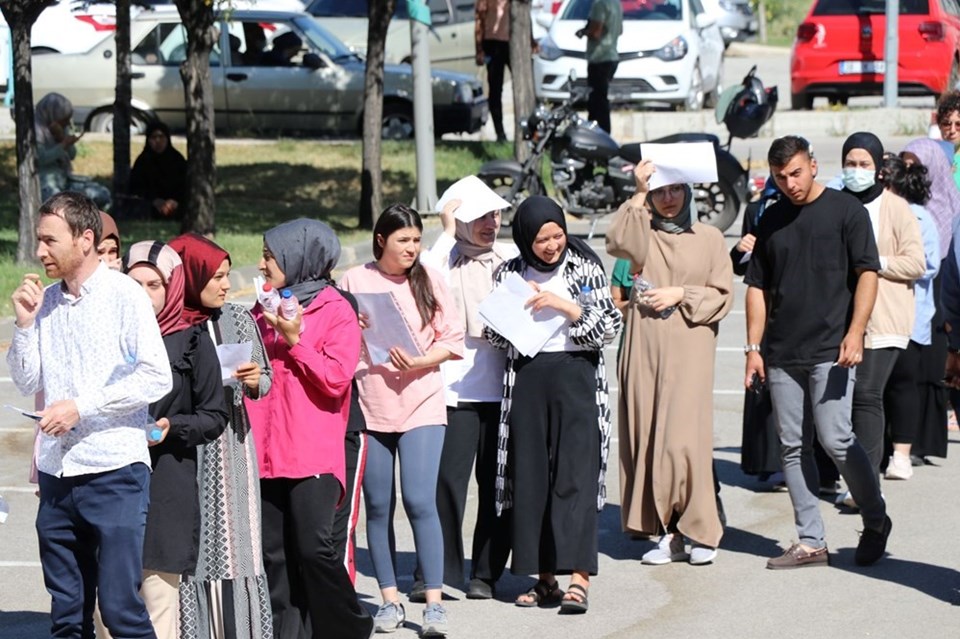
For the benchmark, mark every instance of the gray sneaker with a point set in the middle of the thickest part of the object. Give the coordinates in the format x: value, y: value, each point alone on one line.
x: 434, y: 621
x: 389, y: 617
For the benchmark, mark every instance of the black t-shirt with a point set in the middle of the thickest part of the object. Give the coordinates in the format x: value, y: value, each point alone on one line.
x: 806, y: 259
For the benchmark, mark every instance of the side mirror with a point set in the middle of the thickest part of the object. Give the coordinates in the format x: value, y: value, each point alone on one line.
x: 702, y: 21
x: 313, y: 61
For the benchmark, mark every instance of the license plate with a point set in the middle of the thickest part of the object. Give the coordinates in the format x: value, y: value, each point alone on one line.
x: 852, y: 67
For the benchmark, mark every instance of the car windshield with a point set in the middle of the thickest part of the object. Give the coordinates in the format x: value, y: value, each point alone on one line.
x: 323, y: 39
x: 862, y: 7
x: 632, y: 10
x: 350, y: 9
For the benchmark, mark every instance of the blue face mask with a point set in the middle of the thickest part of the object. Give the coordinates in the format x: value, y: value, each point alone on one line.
x: 859, y: 180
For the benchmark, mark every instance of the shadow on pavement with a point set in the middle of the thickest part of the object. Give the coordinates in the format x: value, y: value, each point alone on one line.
x: 939, y: 582
x: 20, y: 623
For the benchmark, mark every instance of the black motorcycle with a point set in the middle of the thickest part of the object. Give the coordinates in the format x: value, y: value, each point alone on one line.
x: 592, y: 175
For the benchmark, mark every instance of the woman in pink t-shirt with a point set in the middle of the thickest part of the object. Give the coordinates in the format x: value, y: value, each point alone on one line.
x: 402, y: 396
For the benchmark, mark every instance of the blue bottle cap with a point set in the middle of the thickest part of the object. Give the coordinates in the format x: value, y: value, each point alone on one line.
x: 287, y: 293
x: 155, y: 434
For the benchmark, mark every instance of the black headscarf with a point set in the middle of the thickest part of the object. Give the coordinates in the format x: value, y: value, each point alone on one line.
x: 159, y: 175
x: 532, y: 214
x: 306, y: 251
x: 872, y: 145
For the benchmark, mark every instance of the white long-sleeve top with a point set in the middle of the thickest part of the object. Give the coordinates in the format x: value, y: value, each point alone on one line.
x: 103, y: 350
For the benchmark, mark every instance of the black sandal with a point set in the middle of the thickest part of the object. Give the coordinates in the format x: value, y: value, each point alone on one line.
x: 542, y: 595
x: 574, y: 606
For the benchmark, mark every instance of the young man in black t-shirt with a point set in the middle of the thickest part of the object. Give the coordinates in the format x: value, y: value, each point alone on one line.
x: 812, y: 285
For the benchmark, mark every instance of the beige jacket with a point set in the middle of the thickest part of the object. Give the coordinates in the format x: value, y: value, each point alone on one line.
x: 901, y: 254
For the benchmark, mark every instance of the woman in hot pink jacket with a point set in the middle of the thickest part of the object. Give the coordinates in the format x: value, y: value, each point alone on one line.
x: 299, y: 429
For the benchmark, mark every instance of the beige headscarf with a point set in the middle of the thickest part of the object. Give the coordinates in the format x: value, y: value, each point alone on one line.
x: 471, y: 275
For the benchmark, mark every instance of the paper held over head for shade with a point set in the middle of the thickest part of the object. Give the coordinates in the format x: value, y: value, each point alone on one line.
x: 476, y: 199
x: 681, y: 163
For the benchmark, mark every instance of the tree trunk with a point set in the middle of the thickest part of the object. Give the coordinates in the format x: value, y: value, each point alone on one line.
x: 371, y: 177
x: 521, y: 70
x: 20, y: 16
x: 198, y: 18
x: 121, y: 106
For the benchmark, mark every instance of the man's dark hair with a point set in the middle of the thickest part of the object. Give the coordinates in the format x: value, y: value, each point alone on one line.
x: 78, y: 211
x: 783, y: 149
x: 948, y: 103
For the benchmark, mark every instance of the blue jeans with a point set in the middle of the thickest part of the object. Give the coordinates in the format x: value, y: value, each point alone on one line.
x: 90, y: 529
x: 824, y: 391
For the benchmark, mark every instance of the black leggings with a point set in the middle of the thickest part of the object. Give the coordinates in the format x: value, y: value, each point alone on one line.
x: 869, y: 422
x: 901, y: 399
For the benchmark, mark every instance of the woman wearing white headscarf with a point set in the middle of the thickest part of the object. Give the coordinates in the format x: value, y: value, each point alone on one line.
x: 467, y: 254
x: 56, y: 149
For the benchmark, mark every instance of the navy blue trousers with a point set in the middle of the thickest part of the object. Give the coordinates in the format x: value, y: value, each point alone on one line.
x: 90, y: 529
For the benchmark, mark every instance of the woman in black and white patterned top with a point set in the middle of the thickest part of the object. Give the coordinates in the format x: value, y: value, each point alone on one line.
x: 555, y: 413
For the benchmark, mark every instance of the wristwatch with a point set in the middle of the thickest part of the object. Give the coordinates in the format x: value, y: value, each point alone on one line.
x: 751, y: 348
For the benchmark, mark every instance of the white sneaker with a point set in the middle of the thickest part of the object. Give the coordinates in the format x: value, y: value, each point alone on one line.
x: 669, y: 549
x: 899, y: 467
x: 701, y: 555
x: 846, y: 499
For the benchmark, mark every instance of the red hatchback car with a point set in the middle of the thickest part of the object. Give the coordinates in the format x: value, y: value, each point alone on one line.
x: 838, y: 51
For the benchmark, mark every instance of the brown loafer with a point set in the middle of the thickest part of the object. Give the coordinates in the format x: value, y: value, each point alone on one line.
x: 797, y: 557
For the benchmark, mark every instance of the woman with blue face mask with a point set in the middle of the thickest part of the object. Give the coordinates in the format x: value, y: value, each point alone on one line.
x: 897, y: 234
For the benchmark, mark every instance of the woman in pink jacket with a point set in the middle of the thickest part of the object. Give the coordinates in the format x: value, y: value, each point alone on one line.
x: 299, y: 429
x: 403, y: 400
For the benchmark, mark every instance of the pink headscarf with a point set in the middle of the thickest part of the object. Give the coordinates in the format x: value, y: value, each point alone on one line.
x: 944, y: 204
x: 166, y: 261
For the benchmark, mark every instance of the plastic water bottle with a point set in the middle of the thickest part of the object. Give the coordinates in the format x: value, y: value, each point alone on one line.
x: 270, y: 299
x: 586, y: 296
x: 288, y: 304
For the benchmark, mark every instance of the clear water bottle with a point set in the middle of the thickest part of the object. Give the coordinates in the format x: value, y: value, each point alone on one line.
x: 586, y: 296
x: 269, y: 299
x: 288, y: 304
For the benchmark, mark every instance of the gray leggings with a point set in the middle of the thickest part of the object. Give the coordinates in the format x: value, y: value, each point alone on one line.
x: 419, y: 451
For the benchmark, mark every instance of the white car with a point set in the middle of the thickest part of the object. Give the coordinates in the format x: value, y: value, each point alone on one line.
x: 671, y: 52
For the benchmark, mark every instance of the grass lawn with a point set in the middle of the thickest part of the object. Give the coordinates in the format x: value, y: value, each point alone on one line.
x: 259, y: 185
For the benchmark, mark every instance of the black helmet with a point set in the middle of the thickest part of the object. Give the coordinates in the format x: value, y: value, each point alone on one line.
x: 746, y: 107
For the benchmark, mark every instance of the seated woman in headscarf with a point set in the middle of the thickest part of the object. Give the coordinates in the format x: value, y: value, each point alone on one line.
x: 159, y: 174
x: 56, y: 148
x: 683, y: 287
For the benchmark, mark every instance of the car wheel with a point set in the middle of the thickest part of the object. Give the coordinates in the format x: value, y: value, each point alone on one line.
x: 397, y: 121
x: 695, y: 97
x: 102, y: 122
x: 838, y: 100
x: 801, y: 101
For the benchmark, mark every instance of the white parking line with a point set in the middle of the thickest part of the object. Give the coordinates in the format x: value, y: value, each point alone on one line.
x: 20, y: 564
x: 18, y: 489
x: 17, y: 429
x: 6, y: 379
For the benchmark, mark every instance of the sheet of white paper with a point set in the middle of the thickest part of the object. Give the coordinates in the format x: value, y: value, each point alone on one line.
x: 681, y: 163
x: 231, y: 356
x: 505, y: 312
x: 476, y: 199
x: 387, y: 327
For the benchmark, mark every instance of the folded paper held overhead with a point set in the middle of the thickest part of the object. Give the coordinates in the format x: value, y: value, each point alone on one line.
x: 681, y: 163
x: 476, y: 199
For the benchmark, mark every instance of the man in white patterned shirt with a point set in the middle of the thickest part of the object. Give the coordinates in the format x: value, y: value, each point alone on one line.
x: 92, y: 345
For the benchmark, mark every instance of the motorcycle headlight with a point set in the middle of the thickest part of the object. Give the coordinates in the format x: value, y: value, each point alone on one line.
x: 673, y: 50
x: 549, y: 49
x: 462, y: 93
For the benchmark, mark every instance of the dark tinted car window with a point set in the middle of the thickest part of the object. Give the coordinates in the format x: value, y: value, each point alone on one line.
x: 858, y: 7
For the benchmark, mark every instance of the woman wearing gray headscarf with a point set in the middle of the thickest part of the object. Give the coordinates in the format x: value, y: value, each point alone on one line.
x: 299, y: 433
x: 56, y: 148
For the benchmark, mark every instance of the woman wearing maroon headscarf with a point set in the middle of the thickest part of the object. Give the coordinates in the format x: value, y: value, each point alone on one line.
x: 227, y: 596
x: 191, y: 414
